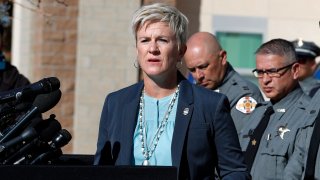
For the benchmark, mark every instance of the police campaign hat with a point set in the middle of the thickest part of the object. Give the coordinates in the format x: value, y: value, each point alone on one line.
x: 306, y: 49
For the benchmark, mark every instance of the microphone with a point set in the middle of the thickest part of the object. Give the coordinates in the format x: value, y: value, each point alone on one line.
x: 41, y: 104
x: 15, y: 108
x: 46, y: 102
x: 48, y: 128
x: 28, y: 93
x: 43, y: 101
x: 44, y: 158
x: 45, y: 130
x: 26, y: 136
x: 61, y: 139
x: 8, y: 114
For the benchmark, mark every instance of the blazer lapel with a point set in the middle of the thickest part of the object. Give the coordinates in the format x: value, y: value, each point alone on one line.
x: 183, y: 116
x: 130, y: 111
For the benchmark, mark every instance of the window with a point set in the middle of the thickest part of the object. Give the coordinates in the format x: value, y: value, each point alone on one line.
x: 240, y: 48
x: 240, y: 36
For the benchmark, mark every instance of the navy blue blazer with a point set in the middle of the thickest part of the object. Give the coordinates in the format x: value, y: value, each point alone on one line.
x: 203, y: 140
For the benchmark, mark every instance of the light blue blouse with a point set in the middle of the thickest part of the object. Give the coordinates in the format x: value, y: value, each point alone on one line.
x: 155, y: 110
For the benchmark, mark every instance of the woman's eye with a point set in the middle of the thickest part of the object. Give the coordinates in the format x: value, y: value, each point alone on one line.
x: 163, y: 40
x: 143, y: 40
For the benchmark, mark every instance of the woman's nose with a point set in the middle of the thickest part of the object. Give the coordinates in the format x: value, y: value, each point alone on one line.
x: 153, y: 47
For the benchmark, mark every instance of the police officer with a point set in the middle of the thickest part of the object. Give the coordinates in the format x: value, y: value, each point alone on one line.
x: 305, y: 161
x: 269, y: 142
x: 307, y: 52
x: 208, y: 64
x: 312, y: 141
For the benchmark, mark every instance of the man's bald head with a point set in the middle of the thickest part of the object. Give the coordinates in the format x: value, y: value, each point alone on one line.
x: 203, y: 41
x: 205, y: 59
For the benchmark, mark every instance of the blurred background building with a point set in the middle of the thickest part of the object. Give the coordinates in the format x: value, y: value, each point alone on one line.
x: 88, y: 45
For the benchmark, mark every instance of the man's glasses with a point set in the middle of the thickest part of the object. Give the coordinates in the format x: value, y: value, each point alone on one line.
x: 274, y: 72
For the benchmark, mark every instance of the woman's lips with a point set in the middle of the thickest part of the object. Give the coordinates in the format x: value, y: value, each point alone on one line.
x: 153, y: 60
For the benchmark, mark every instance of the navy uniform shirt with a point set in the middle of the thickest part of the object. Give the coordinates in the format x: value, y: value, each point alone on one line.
x: 278, y: 140
x: 242, y: 94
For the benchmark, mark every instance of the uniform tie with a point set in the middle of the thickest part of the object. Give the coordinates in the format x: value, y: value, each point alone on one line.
x: 313, y: 150
x: 255, y: 138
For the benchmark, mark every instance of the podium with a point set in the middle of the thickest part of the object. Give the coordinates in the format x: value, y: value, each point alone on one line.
x: 81, y: 168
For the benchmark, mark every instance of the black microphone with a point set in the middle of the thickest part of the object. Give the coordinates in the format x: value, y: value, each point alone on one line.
x: 41, y: 104
x: 61, y: 139
x: 46, y: 129
x: 14, y: 108
x: 8, y: 114
x: 47, y: 101
x: 29, y: 92
x: 44, y: 158
x: 43, y: 101
x: 25, y: 137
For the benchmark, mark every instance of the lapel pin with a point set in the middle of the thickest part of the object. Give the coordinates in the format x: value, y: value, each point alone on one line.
x: 185, y: 111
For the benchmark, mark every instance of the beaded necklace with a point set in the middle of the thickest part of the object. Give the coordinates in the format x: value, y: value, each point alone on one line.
x: 148, y: 152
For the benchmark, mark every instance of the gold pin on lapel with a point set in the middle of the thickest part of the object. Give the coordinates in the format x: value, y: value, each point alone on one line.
x: 185, y: 111
x: 253, y: 142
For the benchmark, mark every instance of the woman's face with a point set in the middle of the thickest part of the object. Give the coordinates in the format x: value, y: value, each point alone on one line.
x: 157, y: 49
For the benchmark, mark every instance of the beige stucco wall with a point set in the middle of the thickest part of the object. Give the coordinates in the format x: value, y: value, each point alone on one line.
x: 289, y: 19
x: 22, y: 39
x: 105, y: 57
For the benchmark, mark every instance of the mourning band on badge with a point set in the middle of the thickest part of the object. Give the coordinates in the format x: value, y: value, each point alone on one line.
x: 246, y: 105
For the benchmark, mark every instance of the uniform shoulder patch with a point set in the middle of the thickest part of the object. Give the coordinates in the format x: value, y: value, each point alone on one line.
x: 246, y: 104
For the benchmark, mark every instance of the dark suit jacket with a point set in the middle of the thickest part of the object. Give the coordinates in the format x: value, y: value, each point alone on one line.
x: 203, y: 139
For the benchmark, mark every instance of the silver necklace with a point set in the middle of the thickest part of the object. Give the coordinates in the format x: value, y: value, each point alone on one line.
x: 148, y: 152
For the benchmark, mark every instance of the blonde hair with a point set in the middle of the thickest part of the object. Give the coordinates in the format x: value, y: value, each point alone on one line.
x: 160, y: 12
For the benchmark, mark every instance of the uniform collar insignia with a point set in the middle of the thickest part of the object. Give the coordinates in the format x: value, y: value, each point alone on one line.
x: 281, y: 110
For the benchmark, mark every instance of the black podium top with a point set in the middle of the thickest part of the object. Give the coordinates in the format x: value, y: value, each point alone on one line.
x: 79, y: 167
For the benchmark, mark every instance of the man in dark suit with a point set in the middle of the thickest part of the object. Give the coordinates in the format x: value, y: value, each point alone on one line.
x: 164, y: 120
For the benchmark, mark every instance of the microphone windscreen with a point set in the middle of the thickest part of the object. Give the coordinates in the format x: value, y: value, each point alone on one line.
x: 47, y: 129
x: 45, y: 102
x: 50, y: 84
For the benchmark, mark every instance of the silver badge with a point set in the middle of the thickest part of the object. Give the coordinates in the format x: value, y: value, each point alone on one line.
x: 282, y: 130
x: 185, y: 111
